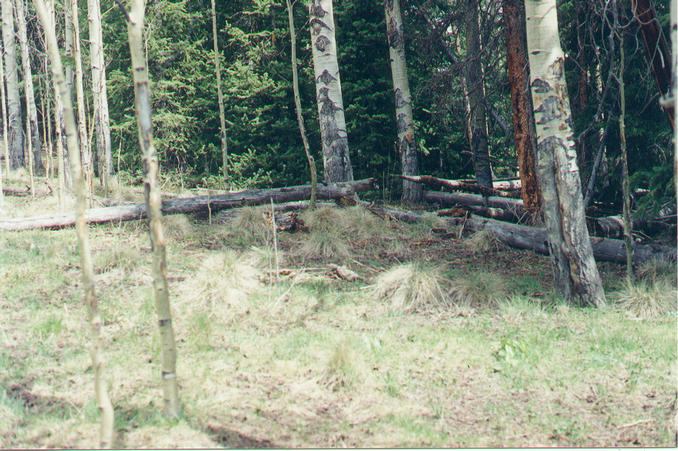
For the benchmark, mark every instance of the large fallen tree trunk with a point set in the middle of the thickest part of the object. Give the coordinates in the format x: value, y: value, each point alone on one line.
x: 200, y: 204
x: 451, y: 199
x: 604, y: 249
x: 533, y: 238
x: 456, y: 185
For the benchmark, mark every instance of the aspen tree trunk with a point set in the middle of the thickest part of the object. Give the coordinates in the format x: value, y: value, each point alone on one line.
x: 674, y: 95
x: 80, y: 100
x: 407, y: 147
x: 28, y: 92
x: 575, y: 273
x: 142, y: 94
x: 473, y: 73
x: 336, y: 158
x: 96, y: 323
x: 626, y: 190
x: 297, y: 106
x: 657, y: 48
x: 46, y: 132
x: 100, y: 94
x: 33, y: 141
x: 5, y: 125
x: 521, y: 102
x: 15, y: 120
x: 220, y: 96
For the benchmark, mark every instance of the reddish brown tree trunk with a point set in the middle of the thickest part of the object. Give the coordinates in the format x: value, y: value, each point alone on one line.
x: 521, y: 102
x: 657, y: 48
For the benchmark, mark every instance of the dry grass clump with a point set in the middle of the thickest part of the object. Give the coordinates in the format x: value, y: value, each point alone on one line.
x: 125, y: 258
x: 326, y: 238
x: 252, y: 225
x: 177, y: 227
x: 484, y: 241
x: 339, y: 371
x: 656, y: 269
x: 222, y: 284
x: 645, y: 300
x: 478, y: 289
x: 411, y: 287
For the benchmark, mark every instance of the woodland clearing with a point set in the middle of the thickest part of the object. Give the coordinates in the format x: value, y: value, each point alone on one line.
x: 440, y: 341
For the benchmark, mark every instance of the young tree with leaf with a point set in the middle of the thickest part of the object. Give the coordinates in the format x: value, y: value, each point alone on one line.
x: 297, y: 105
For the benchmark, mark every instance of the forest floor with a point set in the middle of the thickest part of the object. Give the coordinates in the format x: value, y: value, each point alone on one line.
x: 441, y: 342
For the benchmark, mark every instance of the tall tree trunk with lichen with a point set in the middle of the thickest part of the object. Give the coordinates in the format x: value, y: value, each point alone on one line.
x: 336, y: 158
x: 220, y: 96
x: 96, y: 323
x: 575, y: 272
x: 15, y: 120
x: 473, y: 74
x: 297, y: 105
x: 99, y: 94
x: 521, y: 102
x: 34, y: 145
x: 142, y: 104
x: 407, y: 147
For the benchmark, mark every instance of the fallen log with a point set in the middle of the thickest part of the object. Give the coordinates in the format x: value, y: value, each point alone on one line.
x: 203, y: 205
x: 534, y: 238
x: 22, y: 192
x: 451, y: 199
x: 457, y: 185
x: 604, y: 249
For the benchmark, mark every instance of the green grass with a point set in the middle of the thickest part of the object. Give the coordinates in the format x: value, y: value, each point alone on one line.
x: 315, y: 361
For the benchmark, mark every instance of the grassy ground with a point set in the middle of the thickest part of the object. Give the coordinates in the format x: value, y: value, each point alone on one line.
x: 441, y: 342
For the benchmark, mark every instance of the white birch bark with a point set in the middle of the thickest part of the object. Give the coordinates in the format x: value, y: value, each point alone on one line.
x: 15, y: 120
x: 407, y: 147
x: 336, y: 159
x: 99, y: 93
x: 575, y: 272
x: 96, y: 323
